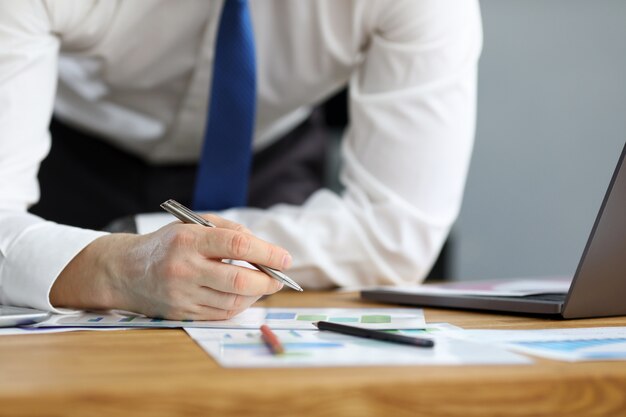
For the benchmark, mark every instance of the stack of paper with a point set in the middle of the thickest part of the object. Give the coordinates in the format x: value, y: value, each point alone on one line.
x: 237, y: 342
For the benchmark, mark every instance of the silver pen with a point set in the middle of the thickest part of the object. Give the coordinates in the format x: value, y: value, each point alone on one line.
x: 185, y: 215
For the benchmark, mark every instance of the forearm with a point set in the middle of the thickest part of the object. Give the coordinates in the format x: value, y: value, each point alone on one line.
x: 339, y: 241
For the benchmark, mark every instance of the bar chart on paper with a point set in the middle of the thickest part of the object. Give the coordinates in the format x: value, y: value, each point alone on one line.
x: 573, y: 344
x: 574, y: 350
x: 277, y: 318
x: 371, y: 318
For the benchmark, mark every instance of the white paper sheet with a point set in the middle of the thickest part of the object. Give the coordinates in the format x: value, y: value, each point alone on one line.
x: 578, y: 344
x: 309, y: 348
x: 501, y: 288
x: 253, y: 318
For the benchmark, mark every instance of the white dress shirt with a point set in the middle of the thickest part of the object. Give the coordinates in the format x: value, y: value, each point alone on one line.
x: 137, y: 74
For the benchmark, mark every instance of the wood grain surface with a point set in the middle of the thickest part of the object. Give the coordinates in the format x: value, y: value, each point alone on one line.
x: 163, y: 373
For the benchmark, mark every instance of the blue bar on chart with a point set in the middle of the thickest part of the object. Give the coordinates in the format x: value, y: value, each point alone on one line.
x: 280, y: 316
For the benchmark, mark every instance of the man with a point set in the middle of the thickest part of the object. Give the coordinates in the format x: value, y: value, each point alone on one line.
x: 139, y: 77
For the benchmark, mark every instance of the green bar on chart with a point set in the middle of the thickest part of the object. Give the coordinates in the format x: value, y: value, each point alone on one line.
x: 344, y: 319
x: 311, y: 317
x: 376, y: 319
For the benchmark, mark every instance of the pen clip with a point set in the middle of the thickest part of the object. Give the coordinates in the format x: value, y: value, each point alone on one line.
x: 183, y: 213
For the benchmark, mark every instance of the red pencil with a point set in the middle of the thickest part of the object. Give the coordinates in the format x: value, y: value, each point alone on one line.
x: 271, y: 340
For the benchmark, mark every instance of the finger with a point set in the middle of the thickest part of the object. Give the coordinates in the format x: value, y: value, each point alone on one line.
x: 226, y: 224
x: 237, y: 280
x: 210, y: 297
x: 228, y: 244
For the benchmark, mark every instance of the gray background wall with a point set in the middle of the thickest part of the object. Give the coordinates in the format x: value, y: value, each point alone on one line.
x: 551, y: 124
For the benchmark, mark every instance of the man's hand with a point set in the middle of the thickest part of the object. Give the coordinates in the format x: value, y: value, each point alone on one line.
x: 175, y: 273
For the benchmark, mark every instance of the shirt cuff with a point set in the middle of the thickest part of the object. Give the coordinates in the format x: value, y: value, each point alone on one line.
x: 36, y: 258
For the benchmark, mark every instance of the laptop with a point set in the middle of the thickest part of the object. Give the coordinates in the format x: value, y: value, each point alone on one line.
x: 598, y: 288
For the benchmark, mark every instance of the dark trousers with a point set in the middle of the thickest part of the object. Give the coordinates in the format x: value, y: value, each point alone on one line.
x: 87, y: 182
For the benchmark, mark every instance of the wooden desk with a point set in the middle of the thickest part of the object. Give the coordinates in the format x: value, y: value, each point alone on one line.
x: 164, y: 373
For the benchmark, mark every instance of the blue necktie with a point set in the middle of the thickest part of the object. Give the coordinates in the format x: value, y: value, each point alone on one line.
x: 224, y: 167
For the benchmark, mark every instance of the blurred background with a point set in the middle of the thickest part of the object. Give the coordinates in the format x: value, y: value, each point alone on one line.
x: 551, y: 125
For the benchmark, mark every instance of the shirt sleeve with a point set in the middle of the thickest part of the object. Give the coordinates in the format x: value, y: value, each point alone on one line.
x: 32, y: 251
x: 405, y: 154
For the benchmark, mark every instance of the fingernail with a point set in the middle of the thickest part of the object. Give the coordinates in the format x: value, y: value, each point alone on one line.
x: 286, y: 261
